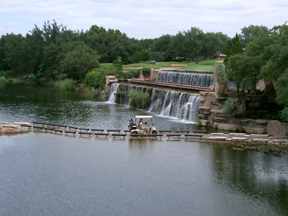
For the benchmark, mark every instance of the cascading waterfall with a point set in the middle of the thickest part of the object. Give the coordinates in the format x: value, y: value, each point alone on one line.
x: 173, y: 104
x: 166, y: 103
x: 112, y: 93
x: 186, y: 78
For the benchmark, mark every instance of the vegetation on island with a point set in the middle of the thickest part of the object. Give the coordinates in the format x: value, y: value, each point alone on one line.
x: 139, y: 99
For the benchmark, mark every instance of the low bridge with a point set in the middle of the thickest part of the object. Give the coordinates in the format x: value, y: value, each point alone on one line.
x: 172, y: 86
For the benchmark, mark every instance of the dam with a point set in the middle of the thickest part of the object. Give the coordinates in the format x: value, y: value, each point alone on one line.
x: 172, y: 94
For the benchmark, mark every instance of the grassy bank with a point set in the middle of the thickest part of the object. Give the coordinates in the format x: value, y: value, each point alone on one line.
x: 207, y: 65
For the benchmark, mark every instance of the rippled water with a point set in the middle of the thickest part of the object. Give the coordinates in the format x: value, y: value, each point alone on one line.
x: 43, y: 174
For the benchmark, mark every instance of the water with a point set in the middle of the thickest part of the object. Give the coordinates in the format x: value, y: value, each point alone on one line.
x: 178, y: 106
x: 186, y: 78
x: 112, y: 94
x: 173, y: 104
x: 45, y: 174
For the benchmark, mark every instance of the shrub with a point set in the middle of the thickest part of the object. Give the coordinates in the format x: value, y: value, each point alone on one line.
x: 139, y: 99
x: 95, y: 79
x: 65, y: 85
x: 133, y: 74
x: 3, y: 82
x: 284, y: 114
x: 282, y: 89
x: 146, y: 72
x: 229, y: 106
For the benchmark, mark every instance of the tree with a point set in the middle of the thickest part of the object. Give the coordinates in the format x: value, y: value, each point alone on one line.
x: 244, y: 70
x: 77, y: 60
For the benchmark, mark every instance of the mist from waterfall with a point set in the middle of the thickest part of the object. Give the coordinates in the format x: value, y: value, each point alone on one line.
x: 186, y: 78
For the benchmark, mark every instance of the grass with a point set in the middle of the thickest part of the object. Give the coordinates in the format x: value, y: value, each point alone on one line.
x: 207, y: 65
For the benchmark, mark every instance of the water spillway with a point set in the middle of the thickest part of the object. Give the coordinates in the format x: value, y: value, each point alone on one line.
x: 112, y: 93
x: 174, y: 104
x: 165, y: 103
x: 186, y: 78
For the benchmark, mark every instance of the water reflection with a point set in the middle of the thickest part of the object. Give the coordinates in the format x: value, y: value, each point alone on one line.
x: 256, y: 174
x: 141, y: 145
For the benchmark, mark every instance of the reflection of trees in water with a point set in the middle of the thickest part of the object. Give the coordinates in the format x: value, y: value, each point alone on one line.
x: 256, y: 174
x: 141, y: 145
x: 44, y: 104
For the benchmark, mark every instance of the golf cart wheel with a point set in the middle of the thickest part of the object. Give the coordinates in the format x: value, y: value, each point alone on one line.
x: 154, y: 132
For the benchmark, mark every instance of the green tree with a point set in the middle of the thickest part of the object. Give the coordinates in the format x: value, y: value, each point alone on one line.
x: 78, y: 60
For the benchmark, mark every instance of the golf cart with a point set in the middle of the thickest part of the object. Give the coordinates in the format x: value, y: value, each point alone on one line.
x: 142, y: 125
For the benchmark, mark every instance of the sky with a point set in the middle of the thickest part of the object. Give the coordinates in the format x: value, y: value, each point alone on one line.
x: 143, y: 18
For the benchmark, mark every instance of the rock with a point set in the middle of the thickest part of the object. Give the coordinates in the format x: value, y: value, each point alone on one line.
x: 254, y: 129
x: 203, y: 122
x: 10, y: 129
x: 277, y: 129
x: 239, y: 139
x: 227, y: 126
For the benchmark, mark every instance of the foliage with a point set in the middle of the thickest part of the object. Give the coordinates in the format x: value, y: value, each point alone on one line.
x: 244, y: 70
x: 282, y: 89
x: 146, y: 72
x: 96, y: 77
x: 230, y: 106
x: 53, y: 52
x: 77, y: 60
x: 118, y: 66
x: 3, y: 82
x: 284, y: 114
x: 65, y: 85
x: 265, y: 56
x: 139, y: 99
x: 234, y: 46
x: 133, y: 73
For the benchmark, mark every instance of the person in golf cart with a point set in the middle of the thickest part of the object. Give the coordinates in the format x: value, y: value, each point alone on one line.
x: 142, y: 125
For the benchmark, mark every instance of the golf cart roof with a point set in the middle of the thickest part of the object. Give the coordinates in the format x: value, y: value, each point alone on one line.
x: 143, y: 117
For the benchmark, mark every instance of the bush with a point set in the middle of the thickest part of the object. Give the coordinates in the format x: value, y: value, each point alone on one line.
x: 139, y: 99
x: 282, y: 89
x: 133, y: 74
x: 230, y: 106
x: 3, y: 82
x: 65, y: 85
x: 284, y: 114
x: 95, y: 79
x: 146, y: 72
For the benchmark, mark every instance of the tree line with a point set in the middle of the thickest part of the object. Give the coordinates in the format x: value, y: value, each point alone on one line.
x: 54, y: 52
x: 260, y: 53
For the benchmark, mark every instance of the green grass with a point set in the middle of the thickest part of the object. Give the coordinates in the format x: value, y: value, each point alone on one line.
x: 207, y: 65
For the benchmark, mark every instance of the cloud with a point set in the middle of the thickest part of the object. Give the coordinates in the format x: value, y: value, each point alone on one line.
x: 149, y: 18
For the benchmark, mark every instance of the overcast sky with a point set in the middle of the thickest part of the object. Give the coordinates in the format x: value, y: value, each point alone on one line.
x: 143, y: 18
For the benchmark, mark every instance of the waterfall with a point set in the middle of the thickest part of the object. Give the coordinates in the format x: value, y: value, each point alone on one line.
x: 112, y: 93
x: 176, y: 105
x: 165, y: 103
x: 186, y: 78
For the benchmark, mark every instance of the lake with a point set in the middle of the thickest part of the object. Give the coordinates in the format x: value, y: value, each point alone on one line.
x: 45, y: 174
